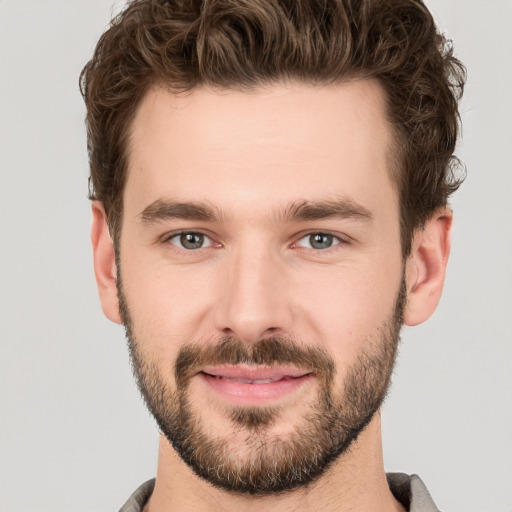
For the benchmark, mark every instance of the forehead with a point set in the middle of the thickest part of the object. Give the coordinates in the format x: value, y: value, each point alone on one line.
x: 276, y: 144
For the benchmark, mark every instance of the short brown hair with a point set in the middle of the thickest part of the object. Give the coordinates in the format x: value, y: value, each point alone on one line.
x: 241, y: 44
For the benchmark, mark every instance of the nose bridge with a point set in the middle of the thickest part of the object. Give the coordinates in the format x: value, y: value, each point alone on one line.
x: 253, y: 301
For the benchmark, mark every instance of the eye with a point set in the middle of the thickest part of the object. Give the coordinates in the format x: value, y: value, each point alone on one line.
x: 318, y: 241
x: 190, y: 240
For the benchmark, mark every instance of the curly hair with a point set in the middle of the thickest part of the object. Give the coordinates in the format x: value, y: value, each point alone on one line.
x: 242, y: 44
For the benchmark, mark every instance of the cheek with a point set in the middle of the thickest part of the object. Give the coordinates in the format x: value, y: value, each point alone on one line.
x: 344, y: 308
x: 167, y: 304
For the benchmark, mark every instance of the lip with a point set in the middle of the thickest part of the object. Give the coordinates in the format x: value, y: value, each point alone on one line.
x: 246, y: 385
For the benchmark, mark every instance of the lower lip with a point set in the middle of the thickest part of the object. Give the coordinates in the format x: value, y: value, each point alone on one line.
x: 254, y: 393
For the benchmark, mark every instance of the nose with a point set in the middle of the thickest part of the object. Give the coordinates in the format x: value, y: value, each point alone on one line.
x: 255, y: 300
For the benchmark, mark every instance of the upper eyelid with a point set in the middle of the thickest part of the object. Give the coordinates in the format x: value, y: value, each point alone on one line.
x: 339, y: 236
x: 166, y: 240
x: 167, y: 236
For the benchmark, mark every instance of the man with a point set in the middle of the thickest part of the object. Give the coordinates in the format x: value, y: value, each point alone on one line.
x: 270, y: 182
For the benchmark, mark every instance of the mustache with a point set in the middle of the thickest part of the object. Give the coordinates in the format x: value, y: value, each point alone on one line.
x: 270, y: 351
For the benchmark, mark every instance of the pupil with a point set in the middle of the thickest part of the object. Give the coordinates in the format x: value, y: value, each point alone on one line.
x: 321, y: 241
x: 191, y: 240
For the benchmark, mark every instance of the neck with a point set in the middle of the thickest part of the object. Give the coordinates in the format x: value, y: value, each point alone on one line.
x: 356, y: 482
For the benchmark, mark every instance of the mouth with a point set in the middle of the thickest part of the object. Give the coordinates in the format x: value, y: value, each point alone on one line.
x: 250, y: 385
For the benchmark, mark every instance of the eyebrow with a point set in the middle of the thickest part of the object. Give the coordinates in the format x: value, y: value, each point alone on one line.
x: 161, y: 210
x: 340, y: 209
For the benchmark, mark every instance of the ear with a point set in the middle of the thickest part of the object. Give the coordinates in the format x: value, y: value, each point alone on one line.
x: 104, y: 263
x: 426, y: 267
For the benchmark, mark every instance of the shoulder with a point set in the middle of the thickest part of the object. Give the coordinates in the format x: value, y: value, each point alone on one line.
x: 411, y: 492
x: 139, y: 498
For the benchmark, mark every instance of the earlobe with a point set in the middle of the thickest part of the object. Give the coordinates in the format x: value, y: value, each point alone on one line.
x: 105, y: 268
x: 426, y: 267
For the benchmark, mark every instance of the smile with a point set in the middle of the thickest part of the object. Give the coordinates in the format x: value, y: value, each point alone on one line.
x: 245, y: 385
x: 253, y: 381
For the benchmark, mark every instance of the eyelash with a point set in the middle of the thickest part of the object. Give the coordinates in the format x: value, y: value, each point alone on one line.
x: 188, y: 232
x: 336, y: 240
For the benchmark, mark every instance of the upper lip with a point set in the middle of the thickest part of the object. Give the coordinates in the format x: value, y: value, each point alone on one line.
x: 255, y: 372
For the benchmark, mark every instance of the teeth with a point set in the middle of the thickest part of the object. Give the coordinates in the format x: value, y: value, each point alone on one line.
x: 252, y: 381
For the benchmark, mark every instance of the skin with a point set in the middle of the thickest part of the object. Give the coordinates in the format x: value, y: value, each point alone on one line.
x: 251, y: 156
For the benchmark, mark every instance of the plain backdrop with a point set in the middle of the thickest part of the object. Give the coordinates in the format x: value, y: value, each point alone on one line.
x: 74, y: 434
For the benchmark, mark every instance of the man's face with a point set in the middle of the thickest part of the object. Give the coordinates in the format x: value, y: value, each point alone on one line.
x: 260, y: 275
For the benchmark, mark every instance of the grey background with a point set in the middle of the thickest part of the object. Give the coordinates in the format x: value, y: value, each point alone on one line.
x: 74, y: 435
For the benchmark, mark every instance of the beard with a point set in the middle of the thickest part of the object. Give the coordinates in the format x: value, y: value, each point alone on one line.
x: 267, y: 463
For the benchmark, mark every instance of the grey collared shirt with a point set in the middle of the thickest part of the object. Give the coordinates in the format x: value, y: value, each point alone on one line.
x: 410, y: 491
